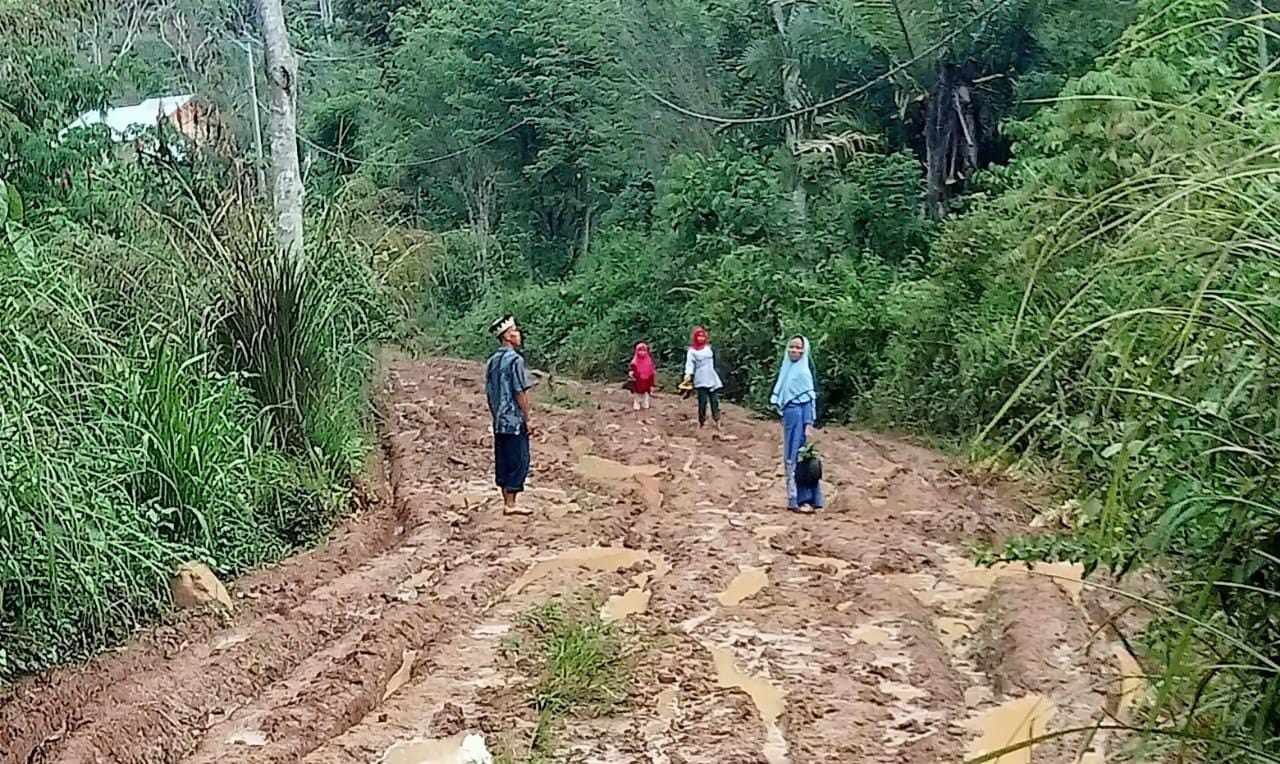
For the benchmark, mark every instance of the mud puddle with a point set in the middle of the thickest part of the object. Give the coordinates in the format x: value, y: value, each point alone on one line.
x: 870, y: 635
x: 1011, y: 723
x: 748, y: 583
x: 769, y: 700
x: 599, y: 468
x: 1133, y: 684
x: 599, y: 559
x: 623, y: 606
x: 459, y: 749
x: 1066, y: 575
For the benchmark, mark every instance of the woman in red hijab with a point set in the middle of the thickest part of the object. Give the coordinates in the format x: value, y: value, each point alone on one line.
x: 643, y: 377
x: 700, y: 374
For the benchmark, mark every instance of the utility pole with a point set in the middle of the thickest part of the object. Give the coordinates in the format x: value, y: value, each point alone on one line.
x: 252, y: 73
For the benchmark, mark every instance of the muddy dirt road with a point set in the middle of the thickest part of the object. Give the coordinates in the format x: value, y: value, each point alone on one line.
x: 857, y: 635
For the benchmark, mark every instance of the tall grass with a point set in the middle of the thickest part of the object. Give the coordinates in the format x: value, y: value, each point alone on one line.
x: 196, y: 440
x: 1184, y: 376
x: 81, y: 558
x: 166, y: 398
x: 270, y: 331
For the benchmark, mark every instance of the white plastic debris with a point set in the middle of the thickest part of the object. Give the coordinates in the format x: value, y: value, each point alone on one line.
x: 458, y: 749
x: 474, y: 751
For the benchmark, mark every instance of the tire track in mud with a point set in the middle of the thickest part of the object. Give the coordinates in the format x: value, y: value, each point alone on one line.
x: 38, y: 712
x: 858, y: 635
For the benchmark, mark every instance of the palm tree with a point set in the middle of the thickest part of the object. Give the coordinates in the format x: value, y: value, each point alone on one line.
x: 944, y: 53
x: 807, y: 60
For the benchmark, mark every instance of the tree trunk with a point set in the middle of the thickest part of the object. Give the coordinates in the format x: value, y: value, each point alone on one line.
x: 795, y: 132
x: 95, y: 45
x: 282, y: 126
x: 477, y: 185
x: 953, y: 134
x: 1264, y: 59
x: 793, y: 94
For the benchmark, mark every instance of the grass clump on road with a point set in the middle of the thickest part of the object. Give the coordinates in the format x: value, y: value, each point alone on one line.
x: 581, y: 666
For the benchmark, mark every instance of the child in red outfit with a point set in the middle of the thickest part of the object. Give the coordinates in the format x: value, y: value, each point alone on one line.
x: 643, y: 377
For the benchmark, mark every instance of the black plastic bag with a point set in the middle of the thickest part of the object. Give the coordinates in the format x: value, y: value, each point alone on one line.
x: 809, y: 470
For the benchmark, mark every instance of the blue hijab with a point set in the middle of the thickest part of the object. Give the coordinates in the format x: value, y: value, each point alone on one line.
x: 797, y: 382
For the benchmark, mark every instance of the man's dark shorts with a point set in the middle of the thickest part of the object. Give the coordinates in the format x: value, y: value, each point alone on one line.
x: 511, y: 461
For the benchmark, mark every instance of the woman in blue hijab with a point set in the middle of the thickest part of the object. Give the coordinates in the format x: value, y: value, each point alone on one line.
x: 795, y: 396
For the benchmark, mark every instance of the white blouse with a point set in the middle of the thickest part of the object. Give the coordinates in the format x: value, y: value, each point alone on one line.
x: 701, y: 365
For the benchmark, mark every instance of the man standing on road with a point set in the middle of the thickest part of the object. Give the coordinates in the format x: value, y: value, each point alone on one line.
x: 507, y: 386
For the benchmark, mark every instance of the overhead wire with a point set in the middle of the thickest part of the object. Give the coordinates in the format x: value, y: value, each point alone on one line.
x: 855, y: 92
x: 309, y: 56
x: 399, y: 165
x: 362, y: 56
x: 409, y: 163
x: 415, y: 162
x: 713, y: 118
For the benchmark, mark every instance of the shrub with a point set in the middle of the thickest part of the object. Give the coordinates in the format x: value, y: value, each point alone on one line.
x: 724, y: 254
x: 128, y: 444
x: 1111, y: 308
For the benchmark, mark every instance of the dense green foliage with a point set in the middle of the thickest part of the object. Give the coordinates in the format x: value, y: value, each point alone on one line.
x: 541, y: 128
x: 1110, y: 307
x: 142, y: 430
x: 602, y: 217
x: 721, y: 253
x: 172, y: 391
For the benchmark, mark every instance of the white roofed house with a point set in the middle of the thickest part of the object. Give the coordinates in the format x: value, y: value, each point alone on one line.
x: 196, y: 123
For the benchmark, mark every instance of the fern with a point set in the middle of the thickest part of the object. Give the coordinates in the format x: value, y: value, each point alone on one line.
x: 840, y: 147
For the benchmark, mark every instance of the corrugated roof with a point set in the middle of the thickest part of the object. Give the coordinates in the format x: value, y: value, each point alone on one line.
x: 127, y: 121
